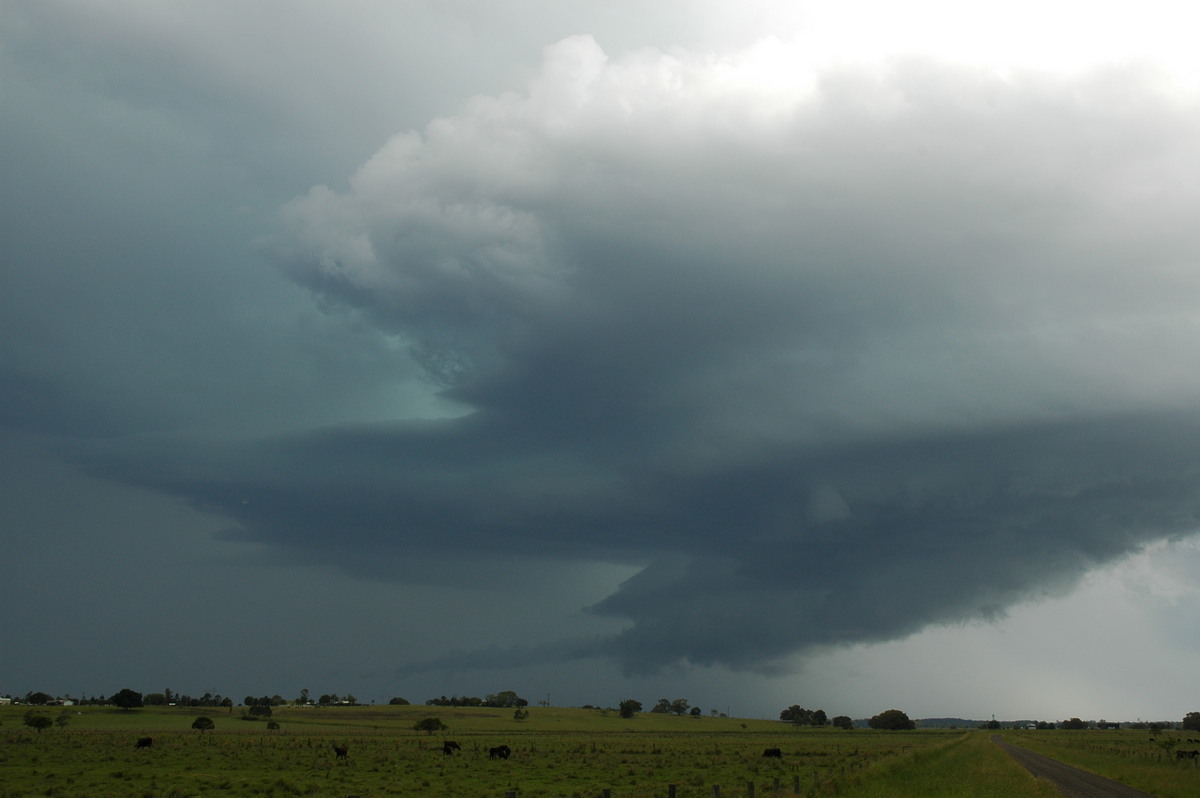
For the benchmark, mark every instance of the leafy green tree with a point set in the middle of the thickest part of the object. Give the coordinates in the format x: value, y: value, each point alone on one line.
x: 797, y: 714
x: 1073, y: 723
x: 1191, y: 721
x: 63, y: 719
x: 400, y: 702
x: 203, y: 723
x: 663, y: 705
x: 843, y: 722
x: 892, y: 720
x: 695, y: 713
x: 429, y: 725
x: 38, y: 699
x: 679, y: 706
x: 303, y: 699
x: 629, y: 707
x: 36, y: 720
x: 127, y: 699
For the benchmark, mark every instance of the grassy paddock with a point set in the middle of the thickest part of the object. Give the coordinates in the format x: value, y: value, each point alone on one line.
x: 556, y: 752
x: 1129, y: 756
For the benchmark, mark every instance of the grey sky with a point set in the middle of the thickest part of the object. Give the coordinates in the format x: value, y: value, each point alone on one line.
x: 540, y: 350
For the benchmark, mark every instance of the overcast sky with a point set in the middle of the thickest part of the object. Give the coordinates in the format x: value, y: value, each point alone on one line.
x: 833, y: 354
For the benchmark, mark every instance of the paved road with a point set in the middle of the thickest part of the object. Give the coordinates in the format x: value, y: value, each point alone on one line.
x: 1071, y: 782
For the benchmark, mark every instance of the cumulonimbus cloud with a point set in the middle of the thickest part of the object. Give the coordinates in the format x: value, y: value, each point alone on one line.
x: 836, y: 352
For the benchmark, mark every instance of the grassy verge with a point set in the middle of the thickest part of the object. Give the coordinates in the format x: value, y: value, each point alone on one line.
x: 970, y: 766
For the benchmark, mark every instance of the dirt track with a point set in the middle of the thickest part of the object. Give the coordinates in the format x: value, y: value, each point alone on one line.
x: 1071, y: 781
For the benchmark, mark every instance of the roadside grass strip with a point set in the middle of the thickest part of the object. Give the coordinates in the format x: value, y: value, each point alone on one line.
x: 969, y: 766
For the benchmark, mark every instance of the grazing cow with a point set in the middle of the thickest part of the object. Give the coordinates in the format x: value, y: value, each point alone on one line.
x: 773, y: 753
x: 1187, y: 754
x: 341, y: 751
x: 449, y: 747
x: 145, y: 742
x: 499, y: 752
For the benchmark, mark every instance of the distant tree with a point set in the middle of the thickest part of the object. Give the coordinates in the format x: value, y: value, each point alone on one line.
x: 63, y: 719
x: 1073, y: 723
x: 127, y: 699
x: 36, y: 720
x: 520, y: 714
x: 272, y: 725
x: 429, y: 725
x: 400, y: 702
x: 695, y: 713
x: 679, y: 706
x: 259, y: 711
x: 1043, y: 725
x: 155, y: 699
x: 1191, y: 721
x: 663, y: 705
x: 892, y: 720
x: 804, y: 717
x: 203, y: 723
x: 629, y: 707
x: 798, y: 715
x: 506, y: 698
x: 326, y: 699
x: 303, y: 698
x: 38, y: 699
x: 992, y: 724
x: 843, y: 722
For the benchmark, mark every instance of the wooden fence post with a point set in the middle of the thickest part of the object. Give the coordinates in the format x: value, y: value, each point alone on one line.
x: 716, y: 791
x: 750, y: 789
x: 670, y: 791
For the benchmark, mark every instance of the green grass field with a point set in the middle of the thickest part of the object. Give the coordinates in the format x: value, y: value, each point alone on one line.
x: 574, y: 753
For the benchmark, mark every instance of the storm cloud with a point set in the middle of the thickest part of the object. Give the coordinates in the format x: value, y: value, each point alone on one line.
x: 830, y: 351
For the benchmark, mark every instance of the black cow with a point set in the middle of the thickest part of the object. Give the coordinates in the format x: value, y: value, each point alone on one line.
x: 449, y: 747
x: 773, y: 753
x: 1187, y: 754
x: 499, y: 752
x: 341, y: 750
x: 145, y: 742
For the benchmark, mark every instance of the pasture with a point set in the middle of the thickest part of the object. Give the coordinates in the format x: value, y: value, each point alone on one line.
x: 573, y: 753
